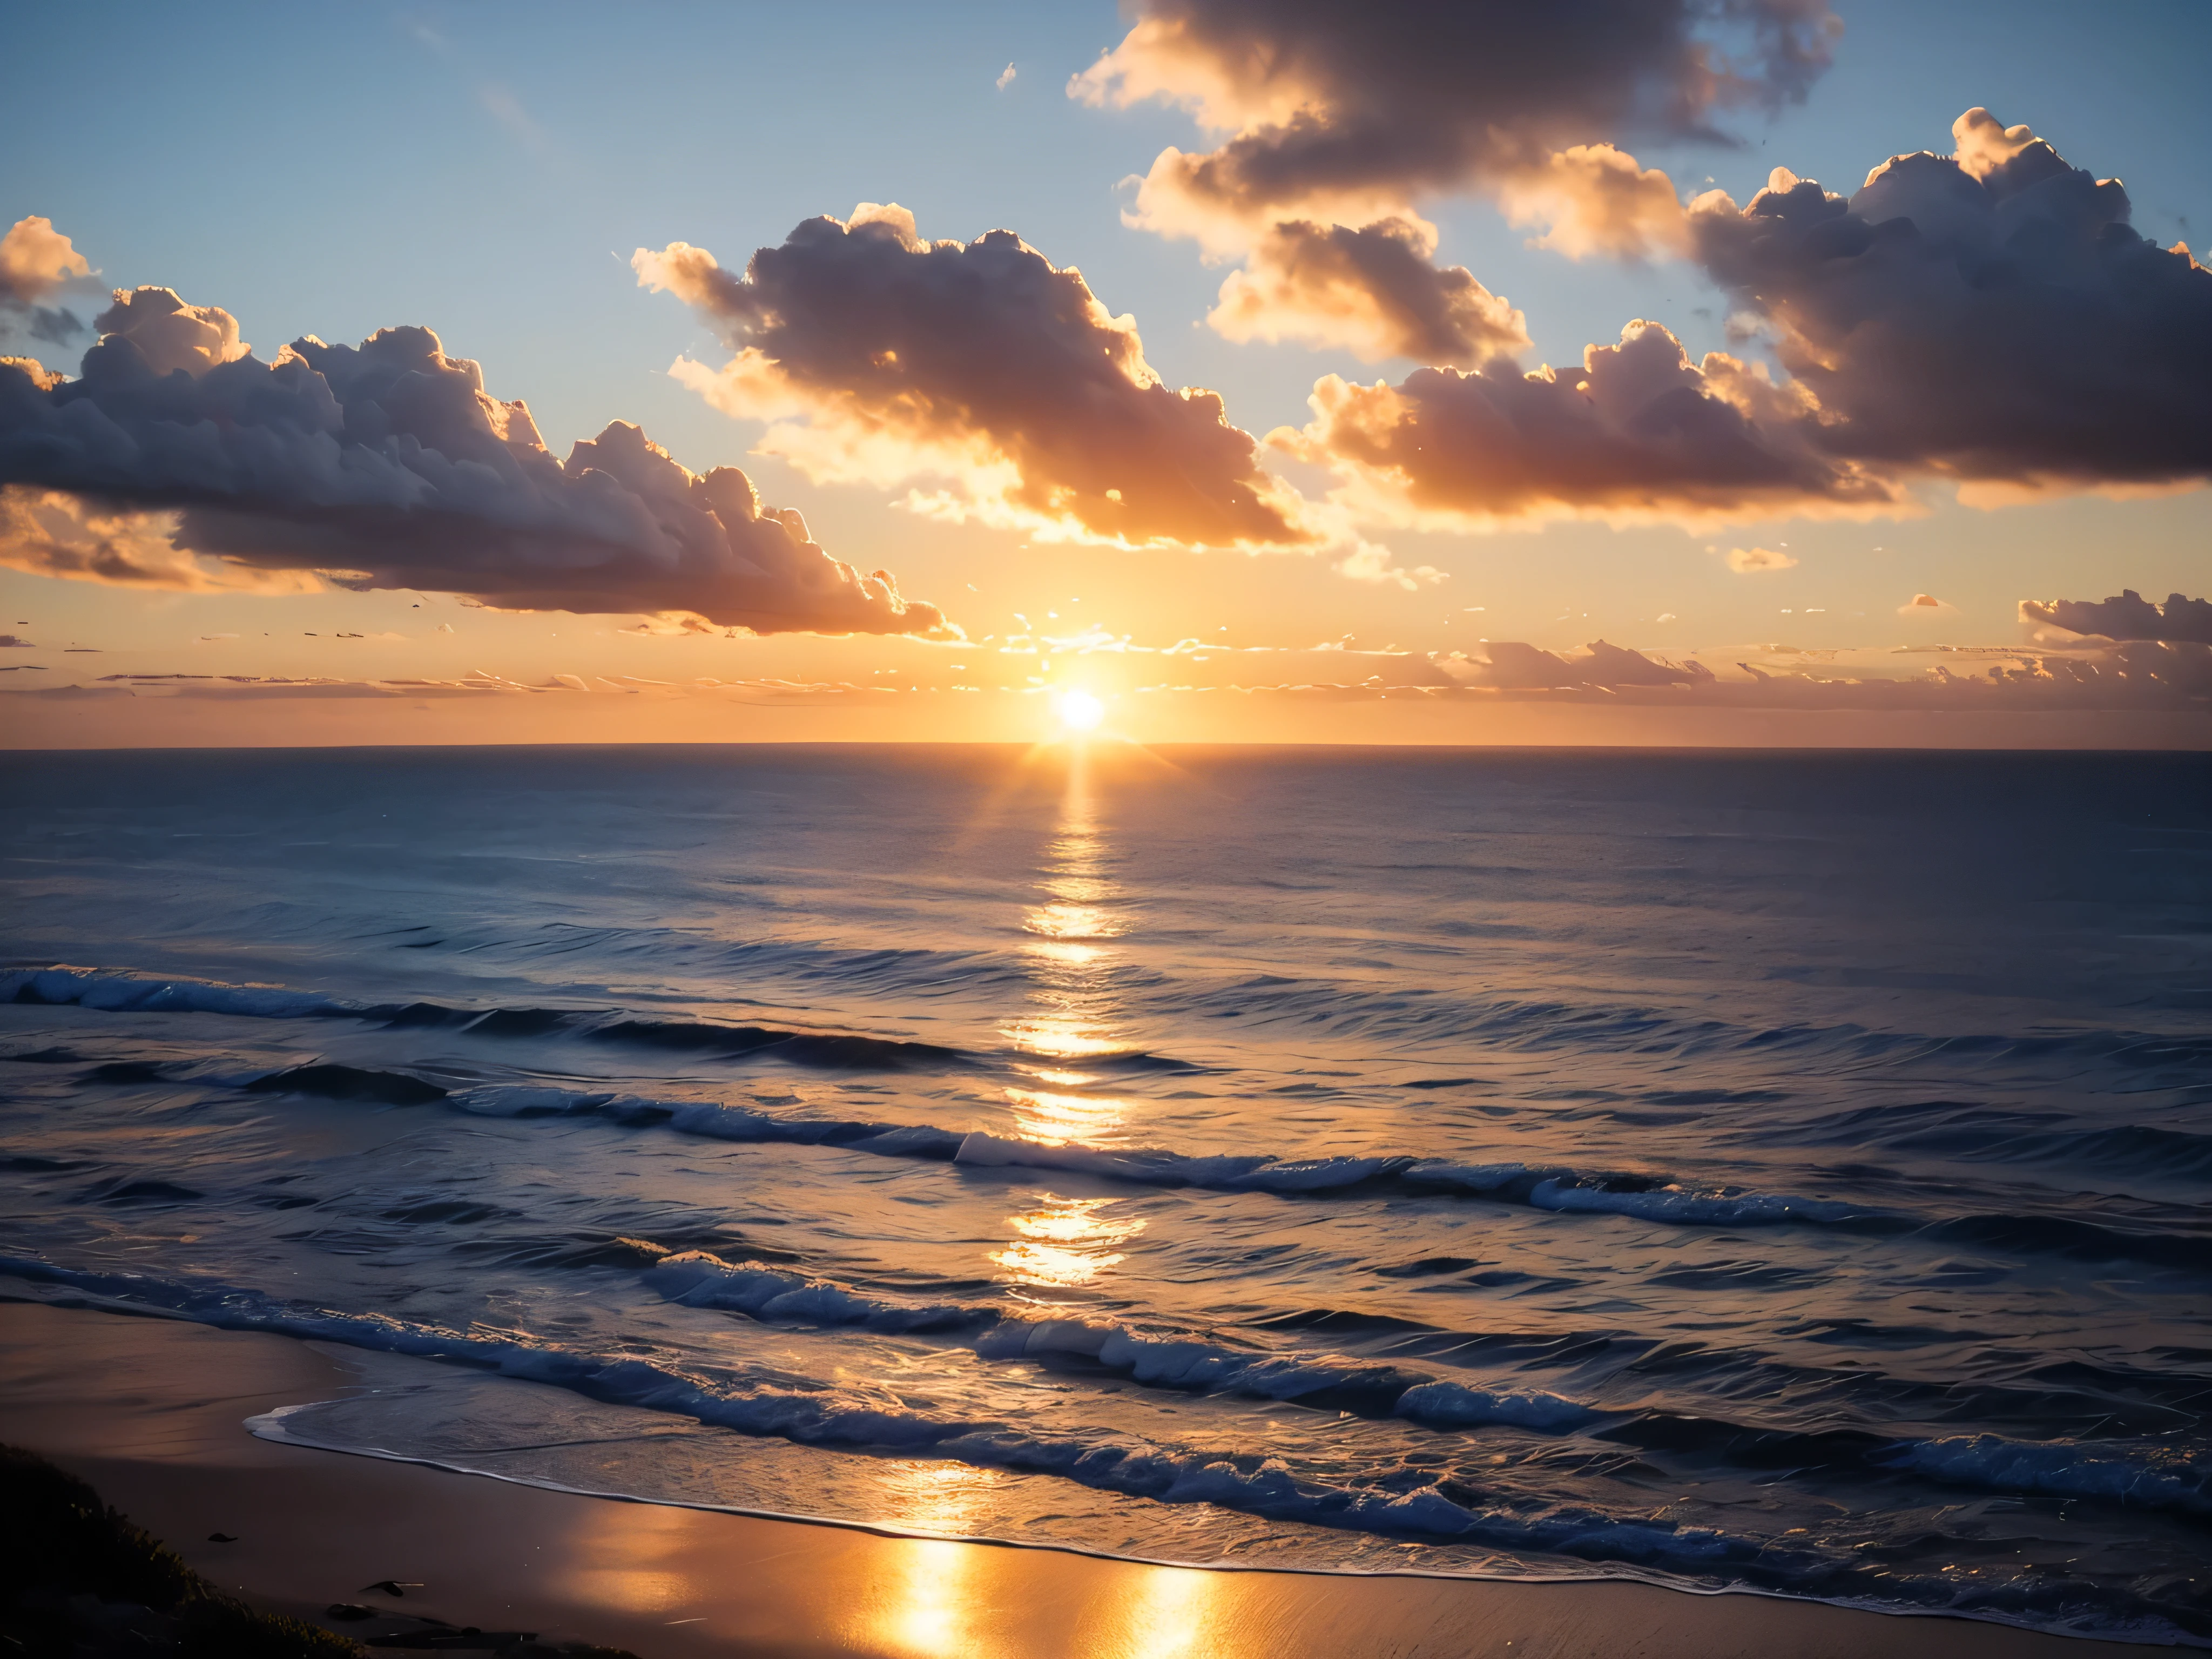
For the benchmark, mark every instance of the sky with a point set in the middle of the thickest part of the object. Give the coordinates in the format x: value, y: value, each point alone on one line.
x: 1192, y: 355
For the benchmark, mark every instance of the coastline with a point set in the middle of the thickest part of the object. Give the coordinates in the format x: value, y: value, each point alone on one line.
x: 151, y: 1412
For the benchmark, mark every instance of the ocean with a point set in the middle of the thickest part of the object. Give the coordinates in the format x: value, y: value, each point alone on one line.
x: 1774, y: 1172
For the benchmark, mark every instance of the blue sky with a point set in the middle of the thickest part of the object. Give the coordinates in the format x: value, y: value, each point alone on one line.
x: 487, y: 170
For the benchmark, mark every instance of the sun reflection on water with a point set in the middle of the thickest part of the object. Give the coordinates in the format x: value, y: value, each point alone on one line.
x: 1067, y: 1243
x: 1046, y: 1115
x: 1074, y: 1014
x: 926, y: 1605
x: 1074, y: 1010
x: 1169, y: 1614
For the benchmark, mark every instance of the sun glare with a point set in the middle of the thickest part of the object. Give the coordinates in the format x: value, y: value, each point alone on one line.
x: 1081, y: 712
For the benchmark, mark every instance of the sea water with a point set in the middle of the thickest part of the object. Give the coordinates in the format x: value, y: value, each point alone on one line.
x: 1765, y: 1171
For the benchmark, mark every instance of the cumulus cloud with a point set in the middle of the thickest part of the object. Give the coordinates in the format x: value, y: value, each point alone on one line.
x: 2126, y: 616
x: 1350, y: 113
x: 1750, y: 561
x: 47, y: 532
x: 1370, y: 562
x: 1349, y: 116
x: 1375, y: 290
x: 1594, y: 198
x: 179, y: 460
x: 1984, y: 316
x: 1638, y: 433
x: 1987, y: 318
x: 38, y: 262
x: 879, y: 357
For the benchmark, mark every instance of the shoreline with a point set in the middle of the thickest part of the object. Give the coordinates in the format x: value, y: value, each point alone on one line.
x: 151, y: 1411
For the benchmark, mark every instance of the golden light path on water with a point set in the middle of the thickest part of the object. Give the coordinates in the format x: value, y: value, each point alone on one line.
x: 941, y: 1598
x: 1073, y: 1014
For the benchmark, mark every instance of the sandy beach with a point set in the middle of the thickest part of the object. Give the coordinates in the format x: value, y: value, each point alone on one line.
x: 150, y: 1411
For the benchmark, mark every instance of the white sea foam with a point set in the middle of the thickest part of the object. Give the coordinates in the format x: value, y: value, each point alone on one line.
x: 89, y: 988
x: 1443, y: 1404
x: 1711, y: 1206
x: 2156, y: 1477
x: 826, y: 1416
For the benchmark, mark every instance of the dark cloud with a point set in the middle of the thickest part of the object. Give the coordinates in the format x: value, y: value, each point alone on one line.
x: 37, y: 263
x: 1639, y: 431
x: 1370, y: 104
x: 1988, y: 316
x: 384, y: 465
x: 2126, y: 616
x: 1349, y: 116
x: 1375, y: 290
x: 1517, y: 665
x: 881, y: 358
x: 2101, y: 676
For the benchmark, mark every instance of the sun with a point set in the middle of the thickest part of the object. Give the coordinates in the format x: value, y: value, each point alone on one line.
x: 1080, y: 711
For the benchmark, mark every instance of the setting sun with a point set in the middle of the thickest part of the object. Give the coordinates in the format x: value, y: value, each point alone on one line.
x: 1080, y: 711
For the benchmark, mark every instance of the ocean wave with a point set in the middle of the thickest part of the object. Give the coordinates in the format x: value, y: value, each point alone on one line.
x: 764, y: 1291
x: 1654, y: 1198
x: 1318, y: 1007
x: 827, y: 1417
x: 133, y: 992
x: 1179, y: 1360
x: 1560, y: 1190
x: 1557, y: 1188
x: 1401, y: 1502
x: 2079, y: 1241
x: 710, y: 1120
x: 334, y: 1082
x: 1969, y: 1131
x: 1336, y: 1008
x: 126, y: 993
x: 2149, y: 1475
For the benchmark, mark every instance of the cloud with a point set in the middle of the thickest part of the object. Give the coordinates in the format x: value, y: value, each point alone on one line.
x: 1926, y: 605
x: 179, y: 460
x: 47, y: 532
x: 1638, y: 433
x: 37, y: 262
x: 2105, y: 677
x: 1006, y: 78
x: 2126, y: 616
x: 1748, y: 560
x: 1988, y: 316
x: 1515, y: 666
x: 1349, y: 116
x: 10, y: 642
x: 878, y: 357
x: 1369, y: 563
x: 2088, y: 676
x: 1351, y: 112
x: 1596, y: 199
x: 1373, y: 289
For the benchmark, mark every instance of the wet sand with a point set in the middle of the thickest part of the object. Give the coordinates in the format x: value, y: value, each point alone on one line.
x: 150, y: 1410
